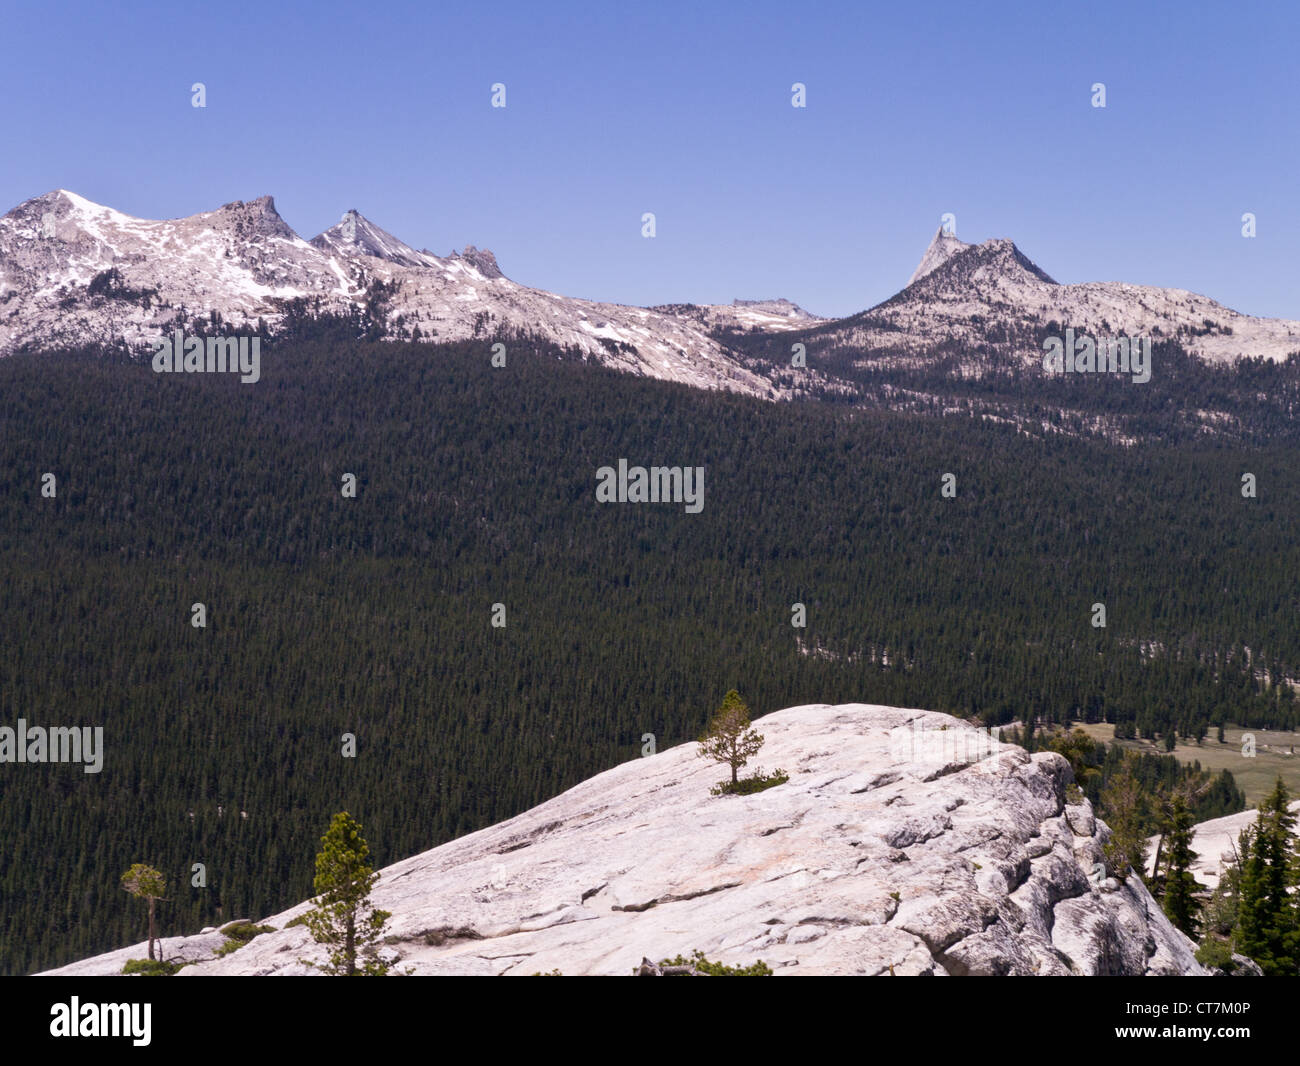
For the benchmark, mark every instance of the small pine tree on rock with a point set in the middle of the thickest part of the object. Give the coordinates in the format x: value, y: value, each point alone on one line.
x: 343, y: 918
x: 149, y: 884
x: 729, y: 738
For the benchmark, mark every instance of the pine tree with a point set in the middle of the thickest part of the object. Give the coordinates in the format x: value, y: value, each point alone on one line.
x: 1180, y: 902
x: 149, y: 884
x: 343, y: 883
x: 729, y: 738
x: 1079, y: 750
x: 1269, y: 925
x: 1123, y: 808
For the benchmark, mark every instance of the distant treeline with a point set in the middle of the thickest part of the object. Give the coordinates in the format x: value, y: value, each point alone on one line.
x: 1252, y: 400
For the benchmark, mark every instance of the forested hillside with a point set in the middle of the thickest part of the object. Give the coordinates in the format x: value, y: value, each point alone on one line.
x: 328, y: 615
x: 1249, y: 401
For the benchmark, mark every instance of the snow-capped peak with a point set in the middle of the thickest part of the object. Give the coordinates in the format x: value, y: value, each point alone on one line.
x: 74, y: 272
x: 78, y: 202
x: 355, y: 234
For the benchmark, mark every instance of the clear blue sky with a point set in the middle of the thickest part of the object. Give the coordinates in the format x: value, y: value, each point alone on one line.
x: 614, y: 109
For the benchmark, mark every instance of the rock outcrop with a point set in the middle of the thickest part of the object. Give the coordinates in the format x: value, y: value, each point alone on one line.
x: 905, y: 842
x: 1214, y: 843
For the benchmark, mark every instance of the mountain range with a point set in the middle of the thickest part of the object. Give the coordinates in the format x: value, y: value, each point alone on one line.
x: 76, y: 273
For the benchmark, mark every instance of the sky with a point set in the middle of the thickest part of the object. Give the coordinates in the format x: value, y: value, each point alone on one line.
x: 981, y: 110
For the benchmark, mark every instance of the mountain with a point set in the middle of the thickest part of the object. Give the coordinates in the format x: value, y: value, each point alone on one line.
x: 989, y: 305
x: 73, y: 272
x: 905, y: 842
x: 355, y: 235
x: 966, y: 338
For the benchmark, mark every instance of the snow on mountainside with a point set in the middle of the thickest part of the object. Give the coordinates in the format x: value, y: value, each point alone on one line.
x: 905, y: 842
x: 986, y: 303
x: 73, y: 272
x: 357, y: 235
x: 240, y: 259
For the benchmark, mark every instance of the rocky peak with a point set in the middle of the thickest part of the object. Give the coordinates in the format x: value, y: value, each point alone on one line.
x: 355, y: 234
x: 349, y: 223
x: 1002, y: 250
x: 60, y: 213
x: 979, y: 270
x: 57, y: 200
x: 482, y: 260
x: 943, y: 246
x: 252, y: 219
